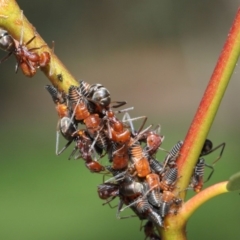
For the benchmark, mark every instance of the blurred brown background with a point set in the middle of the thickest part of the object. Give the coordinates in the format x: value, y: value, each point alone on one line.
x: 156, y: 55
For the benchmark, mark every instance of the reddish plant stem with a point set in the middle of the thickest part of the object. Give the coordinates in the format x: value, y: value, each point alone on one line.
x: 208, y: 107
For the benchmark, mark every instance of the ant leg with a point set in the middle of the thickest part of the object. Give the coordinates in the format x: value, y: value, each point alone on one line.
x: 35, y: 48
x: 106, y: 174
x: 211, y: 173
x: 101, y: 156
x: 222, y: 145
x: 119, y: 104
x: 143, y: 123
x: 73, y: 153
x: 61, y: 151
x: 21, y: 36
x: 124, y: 110
x: 6, y: 57
x: 57, y: 142
x: 29, y: 41
x: 78, y: 156
x: 141, y: 133
x: 17, y: 66
x: 117, y: 177
x: 108, y: 202
x: 157, y: 129
x: 207, y: 149
x: 141, y: 225
x: 120, y: 205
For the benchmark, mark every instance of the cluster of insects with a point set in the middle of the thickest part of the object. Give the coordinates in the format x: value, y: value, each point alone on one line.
x: 137, y: 178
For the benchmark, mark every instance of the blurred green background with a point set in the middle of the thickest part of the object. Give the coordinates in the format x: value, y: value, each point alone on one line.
x: 156, y: 55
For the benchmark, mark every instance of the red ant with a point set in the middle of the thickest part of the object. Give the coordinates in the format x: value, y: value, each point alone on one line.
x: 118, y: 156
x: 108, y: 192
x: 27, y: 59
x: 84, y: 145
x: 120, y: 137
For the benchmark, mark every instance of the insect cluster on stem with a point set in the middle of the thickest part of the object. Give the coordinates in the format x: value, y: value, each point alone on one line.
x: 139, y: 180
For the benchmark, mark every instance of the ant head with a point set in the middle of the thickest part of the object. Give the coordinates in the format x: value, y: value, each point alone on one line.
x: 6, y: 41
x: 206, y: 147
x: 106, y: 190
x: 99, y: 95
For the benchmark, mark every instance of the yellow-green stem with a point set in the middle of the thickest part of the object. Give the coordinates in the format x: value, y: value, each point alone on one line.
x: 192, y: 204
x: 11, y: 20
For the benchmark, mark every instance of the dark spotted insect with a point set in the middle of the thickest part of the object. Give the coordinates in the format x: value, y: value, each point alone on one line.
x: 81, y: 114
x: 169, y: 179
x: 168, y: 199
x: 171, y: 157
x: 154, y: 195
x: 197, y: 180
x: 149, y: 230
x: 144, y: 207
x: 65, y: 125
